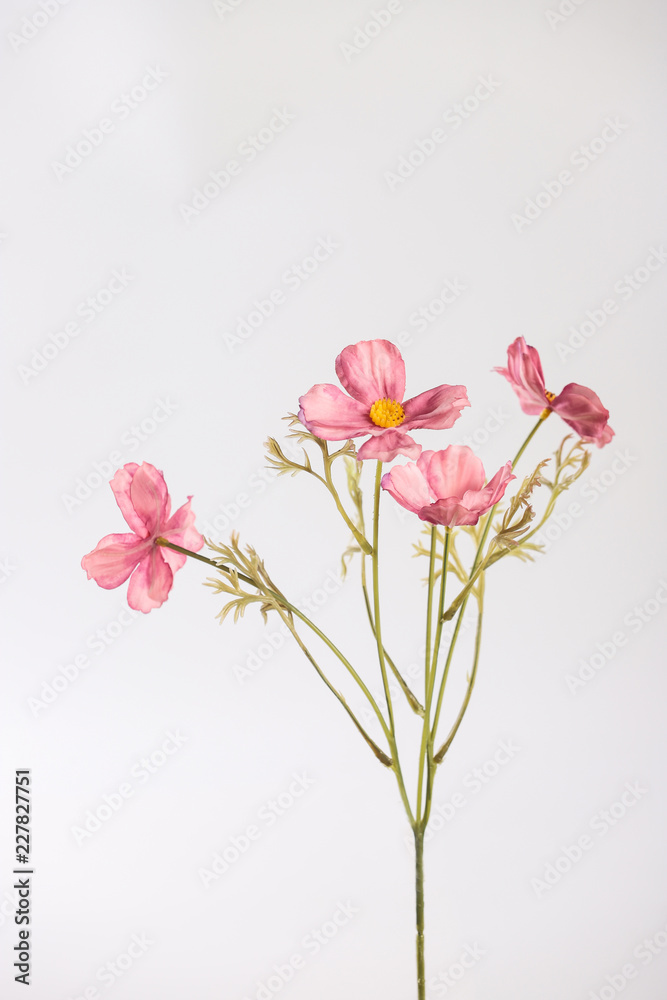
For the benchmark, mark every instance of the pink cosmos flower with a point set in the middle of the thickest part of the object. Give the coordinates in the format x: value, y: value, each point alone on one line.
x: 447, y: 487
x: 580, y: 408
x: 141, y: 493
x: 373, y: 372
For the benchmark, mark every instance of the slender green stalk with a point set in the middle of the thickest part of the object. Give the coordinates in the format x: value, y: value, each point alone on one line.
x: 380, y: 754
x: 419, y: 885
x: 439, y: 757
x: 448, y: 661
x: 441, y: 606
x: 195, y: 555
x: 427, y: 672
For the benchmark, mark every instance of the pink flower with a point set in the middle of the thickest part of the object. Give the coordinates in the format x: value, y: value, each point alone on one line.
x: 579, y: 407
x: 447, y: 487
x: 141, y: 493
x: 373, y: 372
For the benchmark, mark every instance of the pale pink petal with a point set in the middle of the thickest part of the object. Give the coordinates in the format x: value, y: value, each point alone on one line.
x: 408, y: 486
x: 372, y: 369
x: 151, y: 582
x: 150, y: 498
x: 449, y: 512
x: 180, y: 529
x: 486, y: 498
x: 113, y: 559
x: 386, y: 445
x: 436, y: 409
x: 583, y: 411
x: 329, y: 414
x: 524, y: 374
x: 120, y: 484
x: 451, y: 472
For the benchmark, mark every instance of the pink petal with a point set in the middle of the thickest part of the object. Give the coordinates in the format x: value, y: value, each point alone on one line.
x: 408, y: 486
x: 449, y: 512
x: 113, y: 559
x: 486, y: 498
x: 453, y: 471
x: 583, y: 411
x: 180, y: 529
x: 149, y: 497
x: 151, y: 582
x: 389, y: 443
x: 370, y: 370
x: 120, y: 484
x: 330, y: 414
x: 437, y: 408
x: 524, y: 374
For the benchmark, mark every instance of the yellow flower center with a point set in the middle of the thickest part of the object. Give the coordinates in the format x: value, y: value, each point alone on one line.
x: 387, y: 413
x: 550, y: 395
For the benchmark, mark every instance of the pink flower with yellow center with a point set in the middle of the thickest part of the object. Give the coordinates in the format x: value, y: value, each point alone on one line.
x: 447, y: 487
x: 578, y: 406
x: 373, y: 373
x: 141, y: 493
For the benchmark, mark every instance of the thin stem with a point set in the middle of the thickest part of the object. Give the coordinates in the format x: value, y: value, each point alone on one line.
x: 419, y: 893
x: 380, y: 647
x: 364, y: 544
x: 380, y: 754
x: 441, y: 606
x: 414, y: 702
x: 280, y: 598
x: 427, y: 671
x: 466, y: 701
x: 448, y: 661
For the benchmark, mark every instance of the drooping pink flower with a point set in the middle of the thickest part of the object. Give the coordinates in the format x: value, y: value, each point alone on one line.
x: 141, y: 493
x: 447, y: 487
x: 579, y: 407
x: 373, y: 372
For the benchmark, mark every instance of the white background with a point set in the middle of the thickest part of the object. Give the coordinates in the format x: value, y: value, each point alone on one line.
x: 360, y: 99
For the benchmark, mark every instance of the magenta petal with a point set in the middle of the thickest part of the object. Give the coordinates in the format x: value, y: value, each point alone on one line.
x: 453, y: 471
x: 113, y: 559
x: 329, y: 414
x: 180, y: 529
x: 408, y: 486
x: 120, y: 484
x: 583, y: 411
x: 151, y: 582
x: 387, y: 445
x: 524, y: 374
x: 149, y: 497
x: 436, y: 409
x: 372, y: 369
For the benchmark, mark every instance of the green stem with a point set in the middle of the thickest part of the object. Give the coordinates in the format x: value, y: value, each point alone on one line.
x: 195, y: 555
x: 363, y: 542
x: 427, y: 671
x: 448, y: 661
x: 438, y: 758
x: 419, y: 892
x: 380, y: 754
